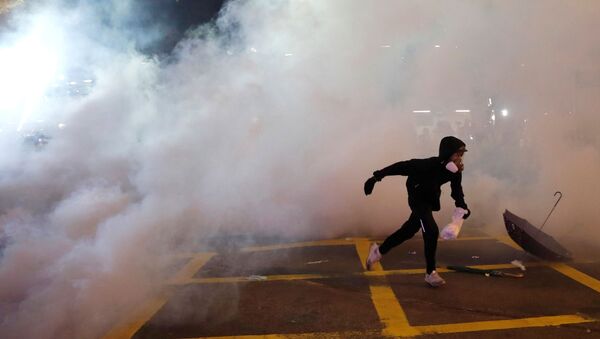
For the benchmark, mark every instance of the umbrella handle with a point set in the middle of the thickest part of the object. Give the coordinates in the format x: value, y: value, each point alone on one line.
x: 552, y: 210
x: 560, y: 193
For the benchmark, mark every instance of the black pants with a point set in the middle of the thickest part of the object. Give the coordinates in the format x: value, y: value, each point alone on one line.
x: 420, y: 219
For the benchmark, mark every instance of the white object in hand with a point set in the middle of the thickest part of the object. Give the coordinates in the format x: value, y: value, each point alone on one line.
x: 450, y: 231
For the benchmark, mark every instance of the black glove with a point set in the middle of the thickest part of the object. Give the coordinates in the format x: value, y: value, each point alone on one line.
x: 467, y: 215
x: 369, y: 184
x: 462, y: 205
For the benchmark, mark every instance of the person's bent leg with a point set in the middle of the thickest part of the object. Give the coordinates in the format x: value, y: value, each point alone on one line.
x: 407, y: 231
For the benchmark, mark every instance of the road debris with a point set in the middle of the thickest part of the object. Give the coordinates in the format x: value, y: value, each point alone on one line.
x: 487, y: 273
x: 317, y: 262
x: 519, y: 264
x: 257, y: 278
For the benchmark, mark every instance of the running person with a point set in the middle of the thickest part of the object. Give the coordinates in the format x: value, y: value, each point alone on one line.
x: 425, y: 177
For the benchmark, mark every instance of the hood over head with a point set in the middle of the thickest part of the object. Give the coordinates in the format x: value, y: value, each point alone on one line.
x: 449, y: 145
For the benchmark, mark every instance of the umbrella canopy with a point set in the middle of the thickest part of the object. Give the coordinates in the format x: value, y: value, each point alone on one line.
x: 533, y: 240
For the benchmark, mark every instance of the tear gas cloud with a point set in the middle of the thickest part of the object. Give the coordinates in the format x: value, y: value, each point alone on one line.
x: 267, y: 122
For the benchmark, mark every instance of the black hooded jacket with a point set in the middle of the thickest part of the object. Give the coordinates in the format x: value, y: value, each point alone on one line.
x: 426, y: 176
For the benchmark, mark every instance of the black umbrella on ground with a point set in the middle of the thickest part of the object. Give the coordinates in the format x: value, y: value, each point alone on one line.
x: 532, y: 239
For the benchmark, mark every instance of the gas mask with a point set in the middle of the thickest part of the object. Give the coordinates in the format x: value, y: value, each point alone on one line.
x: 451, y: 166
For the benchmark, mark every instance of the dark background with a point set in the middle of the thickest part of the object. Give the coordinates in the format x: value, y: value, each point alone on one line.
x: 155, y: 26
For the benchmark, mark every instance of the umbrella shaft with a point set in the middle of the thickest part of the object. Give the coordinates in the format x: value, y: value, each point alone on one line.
x: 552, y: 210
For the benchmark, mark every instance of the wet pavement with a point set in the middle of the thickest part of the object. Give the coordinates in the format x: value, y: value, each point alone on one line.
x: 320, y: 289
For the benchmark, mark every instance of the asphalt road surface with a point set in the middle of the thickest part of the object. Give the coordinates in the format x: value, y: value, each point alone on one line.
x: 320, y: 289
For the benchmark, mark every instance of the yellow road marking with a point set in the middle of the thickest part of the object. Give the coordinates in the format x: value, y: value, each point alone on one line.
x: 576, y: 275
x: 390, y: 312
x: 300, y: 335
x: 381, y: 273
x: 330, y: 242
x: 193, y: 266
x: 503, y: 324
x: 405, y: 330
x: 408, y: 331
x: 506, y: 240
x: 384, y: 300
x: 386, y: 304
x: 127, y: 328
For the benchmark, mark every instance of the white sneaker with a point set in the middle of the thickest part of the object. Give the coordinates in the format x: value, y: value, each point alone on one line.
x: 374, y: 256
x: 434, y: 279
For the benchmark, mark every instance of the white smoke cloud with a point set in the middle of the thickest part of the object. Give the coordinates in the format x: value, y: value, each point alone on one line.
x: 269, y: 124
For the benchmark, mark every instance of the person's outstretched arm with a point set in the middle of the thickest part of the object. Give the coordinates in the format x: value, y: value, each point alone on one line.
x: 458, y: 195
x: 408, y: 167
